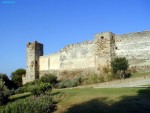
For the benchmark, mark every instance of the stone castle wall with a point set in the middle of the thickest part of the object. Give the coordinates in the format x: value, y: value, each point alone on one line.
x: 78, y: 56
x: 136, y: 48
x: 91, y: 56
x: 49, y: 62
x: 87, y: 57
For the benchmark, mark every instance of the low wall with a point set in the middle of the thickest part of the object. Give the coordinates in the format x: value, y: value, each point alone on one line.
x: 69, y: 74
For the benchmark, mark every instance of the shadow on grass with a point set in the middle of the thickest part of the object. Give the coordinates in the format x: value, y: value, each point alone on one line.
x: 128, y: 104
x: 57, y: 96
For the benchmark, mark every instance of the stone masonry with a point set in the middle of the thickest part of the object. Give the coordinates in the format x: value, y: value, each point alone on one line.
x: 34, y: 51
x: 89, y: 57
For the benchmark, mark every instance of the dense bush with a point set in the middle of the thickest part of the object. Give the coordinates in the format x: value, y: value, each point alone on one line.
x: 42, y: 104
x: 91, y: 79
x: 36, y: 87
x: 49, y: 78
x: 27, y: 86
x: 17, y: 76
x: 61, y: 85
x: 8, y: 82
x: 4, y: 93
x: 69, y: 83
x: 21, y: 90
x: 35, y: 82
x: 119, y: 66
x: 42, y: 88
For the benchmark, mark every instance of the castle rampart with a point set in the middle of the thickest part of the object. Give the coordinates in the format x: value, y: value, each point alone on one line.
x: 90, y: 56
x: 135, y: 47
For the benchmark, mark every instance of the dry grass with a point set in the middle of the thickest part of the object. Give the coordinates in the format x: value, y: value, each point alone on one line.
x: 140, y: 74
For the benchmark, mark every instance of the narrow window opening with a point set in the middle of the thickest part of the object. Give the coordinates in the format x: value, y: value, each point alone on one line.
x: 102, y: 37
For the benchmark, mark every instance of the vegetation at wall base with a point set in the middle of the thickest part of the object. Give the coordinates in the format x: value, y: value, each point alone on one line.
x: 49, y: 78
x: 43, y: 88
x: 69, y: 83
x: 119, y: 65
x: 38, y: 85
x: 41, y: 104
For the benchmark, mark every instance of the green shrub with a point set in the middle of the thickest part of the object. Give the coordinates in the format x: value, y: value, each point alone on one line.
x: 35, y: 82
x: 42, y: 104
x: 17, y: 76
x: 34, y: 89
x: 64, y: 84
x: 49, y: 78
x: 72, y: 84
x: 8, y: 82
x: 119, y: 65
x: 27, y: 87
x: 3, y: 98
x: 91, y: 79
x: 61, y: 85
x: 101, y: 79
x: 4, y: 93
x: 77, y: 81
x: 45, y: 88
x: 69, y: 83
x: 21, y: 90
x: 42, y: 88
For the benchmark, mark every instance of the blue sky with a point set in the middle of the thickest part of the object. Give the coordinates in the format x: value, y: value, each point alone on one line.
x: 57, y: 23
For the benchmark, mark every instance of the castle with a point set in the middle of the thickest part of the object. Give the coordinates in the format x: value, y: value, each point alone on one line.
x: 89, y: 57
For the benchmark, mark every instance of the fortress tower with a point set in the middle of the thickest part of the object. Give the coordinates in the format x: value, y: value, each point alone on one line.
x: 33, y: 51
x: 104, y: 50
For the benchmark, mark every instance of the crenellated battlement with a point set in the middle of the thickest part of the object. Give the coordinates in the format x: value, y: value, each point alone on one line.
x: 135, y: 36
x: 70, y: 46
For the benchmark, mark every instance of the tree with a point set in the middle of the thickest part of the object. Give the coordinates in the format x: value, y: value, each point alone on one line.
x: 17, y: 76
x: 120, y: 65
x: 3, y: 77
x: 7, y: 81
x: 4, y: 93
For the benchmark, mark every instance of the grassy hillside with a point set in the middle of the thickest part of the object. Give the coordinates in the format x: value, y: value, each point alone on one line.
x: 108, y: 100
x: 98, y: 100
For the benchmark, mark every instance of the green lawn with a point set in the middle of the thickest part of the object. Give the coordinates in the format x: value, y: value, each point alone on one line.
x: 99, y: 100
x: 108, y: 100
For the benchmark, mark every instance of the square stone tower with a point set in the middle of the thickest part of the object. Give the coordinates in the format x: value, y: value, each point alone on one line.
x: 104, y: 50
x: 33, y: 51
